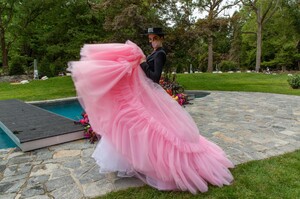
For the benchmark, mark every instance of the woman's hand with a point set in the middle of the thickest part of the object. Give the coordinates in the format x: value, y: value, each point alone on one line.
x: 143, y: 59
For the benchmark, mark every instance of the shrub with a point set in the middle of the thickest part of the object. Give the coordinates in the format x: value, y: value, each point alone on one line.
x: 57, y: 67
x: 44, y: 70
x: 272, y: 65
x: 294, y: 81
x: 228, y: 66
x: 17, y: 66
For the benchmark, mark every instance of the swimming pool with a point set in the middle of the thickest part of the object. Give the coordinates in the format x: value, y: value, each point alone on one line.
x: 68, y: 108
x: 5, y: 141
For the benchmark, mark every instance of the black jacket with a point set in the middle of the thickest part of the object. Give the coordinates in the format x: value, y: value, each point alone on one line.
x: 154, y: 64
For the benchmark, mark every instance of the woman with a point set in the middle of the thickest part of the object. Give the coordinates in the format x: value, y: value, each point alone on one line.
x: 156, y: 60
x: 144, y: 132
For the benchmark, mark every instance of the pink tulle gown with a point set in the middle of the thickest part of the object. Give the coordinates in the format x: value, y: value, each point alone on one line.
x: 145, y: 133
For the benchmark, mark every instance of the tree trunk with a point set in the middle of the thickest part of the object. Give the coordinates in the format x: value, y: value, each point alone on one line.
x: 283, y: 68
x: 298, y: 48
x: 210, y: 54
x: 4, y: 52
x: 258, y: 46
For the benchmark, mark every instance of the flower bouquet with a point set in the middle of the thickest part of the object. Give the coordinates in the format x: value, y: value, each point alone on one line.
x: 175, y: 90
x: 88, y: 130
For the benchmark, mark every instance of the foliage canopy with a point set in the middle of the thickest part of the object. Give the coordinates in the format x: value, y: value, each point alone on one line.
x: 53, y: 31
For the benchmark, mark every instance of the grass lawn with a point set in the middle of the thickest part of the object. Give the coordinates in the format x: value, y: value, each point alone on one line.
x: 276, y: 177
x: 61, y: 87
x: 250, y: 82
x: 52, y: 88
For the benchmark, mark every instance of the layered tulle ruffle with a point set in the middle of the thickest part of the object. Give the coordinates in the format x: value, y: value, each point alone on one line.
x: 142, y: 127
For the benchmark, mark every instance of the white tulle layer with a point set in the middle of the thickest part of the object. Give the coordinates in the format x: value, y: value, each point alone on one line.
x: 110, y: 160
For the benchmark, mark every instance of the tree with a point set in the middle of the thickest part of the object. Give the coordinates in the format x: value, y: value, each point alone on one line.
x: 7, y: 12
x: 15, y: 17
x: 56, y: 36
x: 236, y: 39
x: 182, y: 37
x: 263, y: 10
x: 213, y: 8
x: 281, y: 36
x: 127, y: 20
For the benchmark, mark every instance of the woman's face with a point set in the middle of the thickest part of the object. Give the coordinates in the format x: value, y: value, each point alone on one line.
x: 155, y: 41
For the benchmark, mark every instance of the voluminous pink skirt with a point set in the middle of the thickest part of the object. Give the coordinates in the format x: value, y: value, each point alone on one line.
x: 144, y: 131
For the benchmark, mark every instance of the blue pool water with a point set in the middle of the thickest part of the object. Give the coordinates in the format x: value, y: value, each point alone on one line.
x: 69, y: 109
x: 5, y: 141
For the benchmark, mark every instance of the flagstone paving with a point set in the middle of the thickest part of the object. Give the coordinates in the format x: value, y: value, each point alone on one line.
x: 248, y: 126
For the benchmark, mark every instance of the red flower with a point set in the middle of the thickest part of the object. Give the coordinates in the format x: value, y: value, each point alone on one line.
x: 88, y: 133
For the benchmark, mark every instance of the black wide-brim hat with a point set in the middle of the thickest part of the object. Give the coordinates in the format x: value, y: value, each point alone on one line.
x: 155, y: 31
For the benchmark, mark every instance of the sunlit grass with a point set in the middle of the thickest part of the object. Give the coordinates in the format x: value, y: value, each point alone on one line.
x: 52, y: 88
x: 250, y: 82
x: 276, y: 177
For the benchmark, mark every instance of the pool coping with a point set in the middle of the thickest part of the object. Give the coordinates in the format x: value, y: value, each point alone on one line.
x: 52, y: 100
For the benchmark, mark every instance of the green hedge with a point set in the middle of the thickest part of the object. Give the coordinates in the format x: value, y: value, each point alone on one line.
x: 294, y: 81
